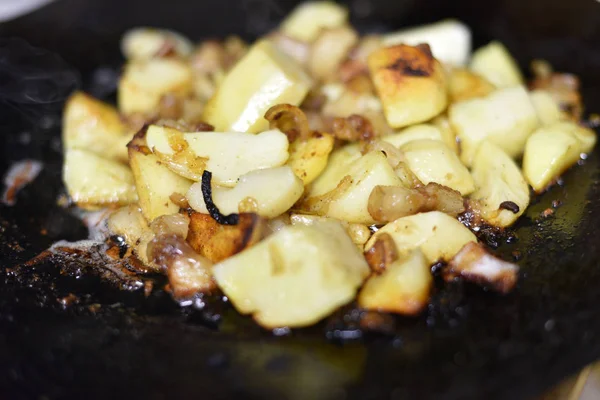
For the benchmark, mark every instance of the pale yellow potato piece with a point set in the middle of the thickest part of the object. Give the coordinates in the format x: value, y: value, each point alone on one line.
x: 307, y: 20
x: 337, y: 167
x: 228, y: 155
x: 410, y: 83
x: 94, y: 181
x: 497, y: 65
x: 264, y: 77
x: 506, y: 117
x: 308, y: 158
x: 144, y: 83
x: 155, y: 184
x: 144, y: 43
x: 350, y: 202
x: 498, y: 179
x: 402, y: 288
x: 448, y: 134
x: 433, y: 161
x: 450, y: 40
x: 92, y: 125
x: 547, y: 109
x: 359, y: 233
x: 295, y: 277
x: 329, y: 50
x: 551, y: 150
x: 464, y: 84
x: 438, y: 235
x: 415, y: 132
x: 272, y: 190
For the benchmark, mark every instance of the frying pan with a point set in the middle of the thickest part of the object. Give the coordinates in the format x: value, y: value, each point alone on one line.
x: 67, y: 333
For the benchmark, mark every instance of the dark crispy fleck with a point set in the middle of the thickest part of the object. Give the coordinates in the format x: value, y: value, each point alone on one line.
x: 231, y: 219
x: 510, y: 206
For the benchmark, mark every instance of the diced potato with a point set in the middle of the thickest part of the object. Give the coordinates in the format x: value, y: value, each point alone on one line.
x: 464, y: 85
x: 415, y: 132
x: 496, y: 64
x: 359, y: 233
x: 93, y: 181
x: 450, y: 40
x: 129, y: 223
x: 337, y: 167
x: 402, y: 288
x: 410, y: 83
x: 547, y: 109
x: 438, y: 235
x: 551, y: 150
x: 448, y: 134
x: 227, y: 155
x: 155, y: 183
x: 92, y: 125
x: 264, y: 77
x: 308, y: 19
x: 144, y: 83
x: 433, y: 161
x: 146, y: 43
x: 329, y: 50
x: 348, y: 201
x: 308, y: 158
x: 273, y: 191
x: 506, y: 117
x: 498, y: 180
x: 218, y: 242
x: 294, y: 277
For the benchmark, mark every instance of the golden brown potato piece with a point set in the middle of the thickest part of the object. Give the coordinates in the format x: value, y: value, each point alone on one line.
x: 464, y: 84
x: 308, y: 158
x: 218, y: 242
x: 410, y: 82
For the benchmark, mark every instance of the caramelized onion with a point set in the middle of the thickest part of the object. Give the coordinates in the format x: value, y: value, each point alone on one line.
x: 393, y: 154
x: 173, y: 224
x: 475, y: 264
x: 319, y: 205
x: 563, y: 87
x: 353, y: 128
x: 188, y: 272
x: 290, y: 120
x: 382, y: 253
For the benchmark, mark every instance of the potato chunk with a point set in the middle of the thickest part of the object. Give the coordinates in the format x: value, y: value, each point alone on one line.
x: 218, y: 242
x: 402, y: 288
x: 94, y: 181
x: 348, y: 201
x: 146, y: 43
x: 359, y: 233
x: 329, y: 50
x: 506, y: 118
x: 502, y: 192
x: 308, y: 19
x: 547, y: 109
x: 433, y: 161
x: 144, y: 83
x: 264, y: 77
x: 337, y: 167
x: 295, y: 277
x: 551, y: 150
x: 272, y: 192
x: 495, y: 64
x: 227, y: 155
x: 308, y: 158
x: 450, y: 40
x: 95, y: 126
x: 155, y: 183
x: 415, y: 132
x: 464, y: 85
x: 438, y: 235
x: 410, y: 83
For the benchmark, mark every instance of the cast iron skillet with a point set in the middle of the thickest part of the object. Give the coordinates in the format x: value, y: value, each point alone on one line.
x: 112, y: 343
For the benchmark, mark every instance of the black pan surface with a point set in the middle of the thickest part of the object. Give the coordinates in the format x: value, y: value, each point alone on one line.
x: 105, y: 342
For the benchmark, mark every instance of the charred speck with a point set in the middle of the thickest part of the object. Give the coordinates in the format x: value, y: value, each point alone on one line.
x: 121, y: 244
x: 231, y: 219
x: 510, y: 206
x: 410, y: 67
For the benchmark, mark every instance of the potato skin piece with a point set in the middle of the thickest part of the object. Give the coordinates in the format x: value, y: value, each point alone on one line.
x: 218, y: 242
x: 410, y: 82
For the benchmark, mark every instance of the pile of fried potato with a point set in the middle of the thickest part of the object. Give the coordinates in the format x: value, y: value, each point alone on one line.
x: 315, y: 167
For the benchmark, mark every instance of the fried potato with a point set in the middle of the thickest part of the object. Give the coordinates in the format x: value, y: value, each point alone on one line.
x: 410, y: 82
x: 307, y: 20
x: 218, y: 242
x: 464, y: 84
x: 308, y: 158
x: 496, y: 64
